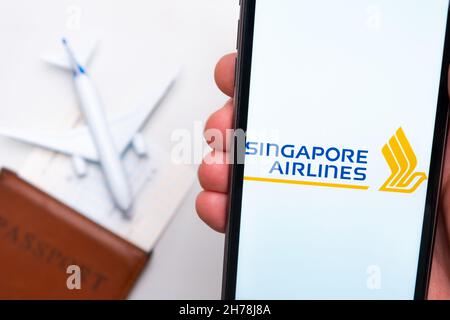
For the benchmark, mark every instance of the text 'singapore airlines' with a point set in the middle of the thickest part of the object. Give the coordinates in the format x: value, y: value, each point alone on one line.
x: 336, y: 168
x: 333, y: 204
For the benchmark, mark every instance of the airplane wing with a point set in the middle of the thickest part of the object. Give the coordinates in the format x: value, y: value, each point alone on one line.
x: 85, y: 52
x: 78, y: 142
x: 124, y: 127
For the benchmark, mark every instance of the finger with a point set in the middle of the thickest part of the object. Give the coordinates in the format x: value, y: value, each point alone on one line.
x: 211, y: 208
x: 445, y: 206
x: 439, y: 279
x: 224, y: 74
x: 213, y: 172
x: 218, y: 127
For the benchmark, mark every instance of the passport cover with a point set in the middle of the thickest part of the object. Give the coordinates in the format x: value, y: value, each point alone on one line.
x: 41, y: 237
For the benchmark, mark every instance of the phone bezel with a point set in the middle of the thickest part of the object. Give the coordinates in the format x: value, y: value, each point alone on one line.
x: 242, y: 85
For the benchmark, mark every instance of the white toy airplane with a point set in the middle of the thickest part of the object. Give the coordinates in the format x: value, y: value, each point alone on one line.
x: 102, y: 141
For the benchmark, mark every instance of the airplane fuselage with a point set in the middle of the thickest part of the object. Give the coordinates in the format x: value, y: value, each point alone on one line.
x: 109, y: 157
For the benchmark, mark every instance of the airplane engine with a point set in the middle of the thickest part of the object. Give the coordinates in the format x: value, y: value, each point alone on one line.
x: 139, y: 145
x: 79, y: 166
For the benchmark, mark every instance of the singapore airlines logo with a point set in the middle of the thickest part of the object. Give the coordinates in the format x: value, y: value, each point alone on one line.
x: 402, y: 162
x: 337, y: 166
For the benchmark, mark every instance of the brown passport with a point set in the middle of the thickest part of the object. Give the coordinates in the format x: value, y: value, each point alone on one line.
x: 40, y: 238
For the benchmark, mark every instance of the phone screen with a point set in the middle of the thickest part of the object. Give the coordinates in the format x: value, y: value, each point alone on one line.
x: 341, y: 120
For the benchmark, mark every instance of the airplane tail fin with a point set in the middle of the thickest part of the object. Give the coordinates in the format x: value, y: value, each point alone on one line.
x: 85, y: 51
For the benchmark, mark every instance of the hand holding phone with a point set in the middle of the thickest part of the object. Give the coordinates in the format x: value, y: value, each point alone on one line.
x: 212, y: 204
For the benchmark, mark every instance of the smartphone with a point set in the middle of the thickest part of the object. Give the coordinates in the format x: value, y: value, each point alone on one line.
x: 344, y: 106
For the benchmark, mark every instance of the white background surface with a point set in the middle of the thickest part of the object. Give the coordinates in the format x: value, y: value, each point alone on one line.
x: 187, y: 262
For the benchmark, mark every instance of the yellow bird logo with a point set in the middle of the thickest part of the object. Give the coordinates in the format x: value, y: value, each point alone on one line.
x: 402, y: 162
